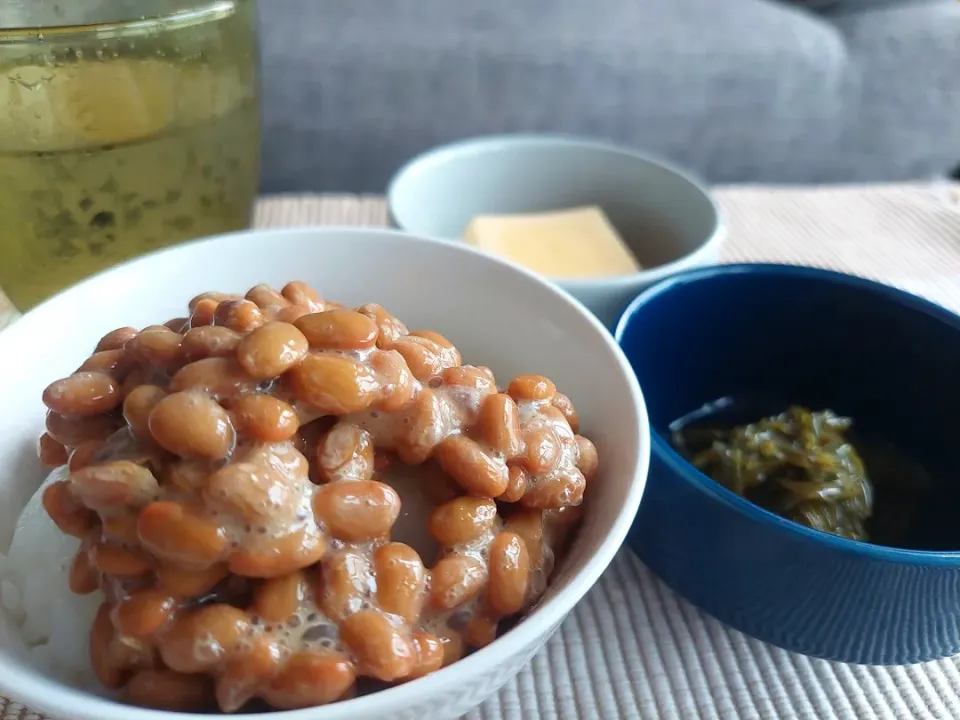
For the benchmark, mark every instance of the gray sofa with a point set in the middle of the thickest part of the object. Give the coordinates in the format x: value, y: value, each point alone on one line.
x: 738, y: 90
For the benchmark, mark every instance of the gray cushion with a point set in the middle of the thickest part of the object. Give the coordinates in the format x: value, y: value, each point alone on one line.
x: 738, y: 90
x: 907, y: 100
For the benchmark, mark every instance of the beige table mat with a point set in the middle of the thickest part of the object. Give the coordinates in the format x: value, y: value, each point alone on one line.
x: 632, y: 648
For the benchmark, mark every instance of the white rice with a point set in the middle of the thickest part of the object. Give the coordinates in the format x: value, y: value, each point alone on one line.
x: 51, y: 623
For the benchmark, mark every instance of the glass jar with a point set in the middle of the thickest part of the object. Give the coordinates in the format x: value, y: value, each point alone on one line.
x: 125, y: 126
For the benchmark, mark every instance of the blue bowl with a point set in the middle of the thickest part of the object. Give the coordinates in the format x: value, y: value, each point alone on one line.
x: 768, y: 336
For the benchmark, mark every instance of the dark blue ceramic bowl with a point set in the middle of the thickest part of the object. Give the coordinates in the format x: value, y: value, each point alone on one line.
x: 767, y: 336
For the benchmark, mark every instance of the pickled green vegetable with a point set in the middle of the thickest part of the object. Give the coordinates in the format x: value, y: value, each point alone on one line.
x: 799, y: 465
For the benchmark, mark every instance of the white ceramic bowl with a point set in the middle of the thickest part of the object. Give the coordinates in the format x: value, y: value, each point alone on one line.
x: 666, y: 217
x: 497, y: 315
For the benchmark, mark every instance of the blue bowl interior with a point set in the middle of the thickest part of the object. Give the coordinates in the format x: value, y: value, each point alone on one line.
x: 772, y: 336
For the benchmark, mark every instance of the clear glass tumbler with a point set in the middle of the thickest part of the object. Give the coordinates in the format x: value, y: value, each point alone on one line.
x: 125, y: 126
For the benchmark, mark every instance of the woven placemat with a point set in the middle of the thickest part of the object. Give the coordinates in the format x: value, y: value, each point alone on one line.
x: 632, y: 649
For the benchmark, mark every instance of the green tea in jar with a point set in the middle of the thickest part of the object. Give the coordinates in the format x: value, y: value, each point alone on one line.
x: 122, y: 137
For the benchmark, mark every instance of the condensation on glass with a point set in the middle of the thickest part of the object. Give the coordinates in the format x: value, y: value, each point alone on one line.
x: 125, y: 126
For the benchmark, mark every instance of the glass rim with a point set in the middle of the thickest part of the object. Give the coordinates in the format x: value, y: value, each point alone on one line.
x: 38, y: 20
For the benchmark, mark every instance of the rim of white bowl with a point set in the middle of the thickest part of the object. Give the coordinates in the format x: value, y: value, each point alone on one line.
x: 49, y: 696
x: 703, y: 253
